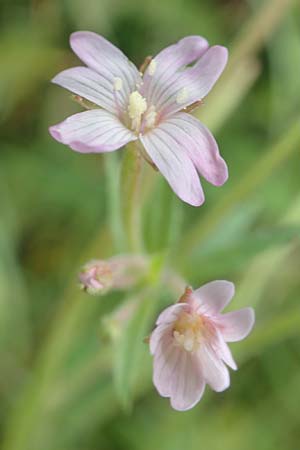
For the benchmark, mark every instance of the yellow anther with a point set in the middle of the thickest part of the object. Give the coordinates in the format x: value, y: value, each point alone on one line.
x: 118, y: 84
x: 152, y: 67
x: 150, y: 117
x: 188, y: 331
x: 182, y: 96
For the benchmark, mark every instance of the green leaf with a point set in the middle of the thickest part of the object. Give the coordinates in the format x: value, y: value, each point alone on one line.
x: 130, y: 347
x: 236, y: 254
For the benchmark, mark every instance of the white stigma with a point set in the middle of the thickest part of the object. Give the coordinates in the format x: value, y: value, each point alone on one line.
x: 182, y: 96
x: 136, y: 108
x: 118, y: 84
x: 152, y: 67
x: 137, y: 105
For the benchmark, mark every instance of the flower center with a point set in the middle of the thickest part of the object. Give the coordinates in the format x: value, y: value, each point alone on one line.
x: 188, y: 331
x: 142, y: 115
x: 136, y: 108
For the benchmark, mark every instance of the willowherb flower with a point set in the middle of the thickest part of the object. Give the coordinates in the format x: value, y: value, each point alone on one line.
x: 150, y: 108
x: 119, y: 272
x: 189, y: 343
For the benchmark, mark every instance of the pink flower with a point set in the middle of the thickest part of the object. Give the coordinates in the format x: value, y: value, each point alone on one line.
x: 189, y: 343
x: 148, y: 108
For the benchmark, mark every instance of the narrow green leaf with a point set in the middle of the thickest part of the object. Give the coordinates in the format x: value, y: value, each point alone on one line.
x: 130, y: 347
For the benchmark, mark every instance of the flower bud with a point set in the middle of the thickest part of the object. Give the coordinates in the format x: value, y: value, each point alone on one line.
x: 120, y: 272
x: 96, y: 277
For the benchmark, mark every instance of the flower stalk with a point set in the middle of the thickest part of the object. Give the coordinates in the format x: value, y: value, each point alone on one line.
x: 130, y: 196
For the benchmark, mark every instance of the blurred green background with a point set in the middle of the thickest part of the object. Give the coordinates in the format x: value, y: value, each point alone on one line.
x: 72, y: 377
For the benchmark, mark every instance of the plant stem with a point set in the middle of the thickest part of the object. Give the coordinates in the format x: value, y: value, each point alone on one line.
x: 114, y: 219
x: 130, y: 196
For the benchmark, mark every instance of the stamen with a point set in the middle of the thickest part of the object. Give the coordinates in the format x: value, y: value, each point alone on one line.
x: 182, y: 96
x: 193, y: 106
x: 145, y: 65
x: 118, y: 84
x: 188, y: 331
x: 83, y: 102
x: 139, y: 84
x: 150, y: 117
x: 152, y: 67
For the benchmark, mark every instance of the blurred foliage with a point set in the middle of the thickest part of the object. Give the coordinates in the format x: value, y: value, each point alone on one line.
x: 69, y: 381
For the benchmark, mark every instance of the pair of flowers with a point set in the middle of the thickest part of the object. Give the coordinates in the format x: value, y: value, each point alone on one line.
x: 152, y: 108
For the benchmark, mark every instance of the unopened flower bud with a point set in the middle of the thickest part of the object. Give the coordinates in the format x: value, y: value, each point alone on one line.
x: 120, y: 272
x: 96, y: 277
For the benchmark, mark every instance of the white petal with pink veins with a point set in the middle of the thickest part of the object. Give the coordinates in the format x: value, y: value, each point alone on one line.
x: 102, y: 56
x: 170, y: 314
x: 92, y: 132
x: 175, y: 164
x: 89, y: 85
x: 160, y: 332
x: 214, y: 370
x: 187, y: 382
x: 197, y: 141
x: 197, y: 81
x: 214, y: 296
x: 236, y: 325
x: 169, y: 61
x: 223, y: 351
x: 165, y: 364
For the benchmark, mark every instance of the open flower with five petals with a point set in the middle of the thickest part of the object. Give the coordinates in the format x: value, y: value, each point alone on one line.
x: 149, y: 108
x: 189, y: 343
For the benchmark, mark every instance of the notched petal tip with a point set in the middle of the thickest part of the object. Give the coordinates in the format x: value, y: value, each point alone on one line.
x: 58, y: 78
x: 55, y: 133
x: 222, y: 387
x: 81, y: 34
x: 236, y: 325
x: 222, y: 52
x: 181, y: 407
x: 197, y: 202
x: 223, y: 174
x: 215, y: 295
x: 80, y: 37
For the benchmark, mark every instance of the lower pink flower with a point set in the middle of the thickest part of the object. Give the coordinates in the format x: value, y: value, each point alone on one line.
x: 189, y: 343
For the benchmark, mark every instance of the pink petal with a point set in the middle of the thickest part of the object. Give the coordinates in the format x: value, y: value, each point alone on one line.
x: 223, y: 351
x: 236, y: 325
x: 200, y: 145
x: 176, y: 374
x: 187, y: 382
x: 214, y: 370
x: 171, y: 59
x: 170, y: 314
x: 165, y: 362
x: 106, y: 59
x: 214, y: 296
x: 174, y: 163
x: 197, y: 81
x: 158, y: 334
x: 92, y: 131
x: 89, y: 85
